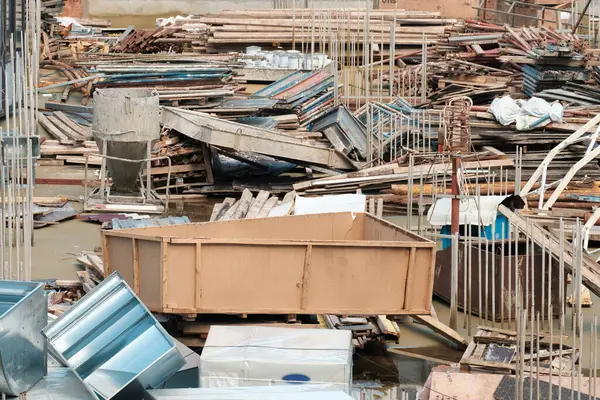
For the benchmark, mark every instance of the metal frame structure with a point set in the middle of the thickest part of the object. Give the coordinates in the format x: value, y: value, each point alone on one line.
x: 12, y: 17
x: 147, y: 201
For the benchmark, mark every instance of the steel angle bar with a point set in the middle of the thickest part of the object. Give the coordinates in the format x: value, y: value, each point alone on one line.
x: 113, y: 343
x: 23, y: 315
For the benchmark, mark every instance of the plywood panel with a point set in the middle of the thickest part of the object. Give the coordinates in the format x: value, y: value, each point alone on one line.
x: 121, y: 257
x: 241, y: 278
x: 181, y: 276
x: 150, y: 274
x: 350, y: 279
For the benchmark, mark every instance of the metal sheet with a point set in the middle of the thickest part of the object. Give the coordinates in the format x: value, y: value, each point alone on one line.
x: 113, y: 343
x: 18, y: 145
x: 60, y: 384
x: 282, y: 84
x: 248, y: 103
x: 23, y: 315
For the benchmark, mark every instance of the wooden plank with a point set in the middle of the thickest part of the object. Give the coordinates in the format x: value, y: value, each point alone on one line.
x: 96, y: 263
x: 65, y: 129
x: 176, y: 169
x: 230, y: 211
x: 437, y: 354
x: 136, y: 267
x: 51, y: 128
x: 257, y: 204
x: 442, y: 329
x: 243, y: 205
x: 218, y: 211
x: 266, y: 208
x: 82, y: 131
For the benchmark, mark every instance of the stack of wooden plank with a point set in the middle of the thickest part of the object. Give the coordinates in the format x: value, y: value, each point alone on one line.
x: 56, y: 153
x: 64, y: 128
x: 495, y: 350
x: 63, y: 294
x: 365, y: 329
x: 247, y: 206
x: 93, y: 270
x: 190, y: 163
x: 177, y: 38
x: 382, y: 177
x: 236, y: 29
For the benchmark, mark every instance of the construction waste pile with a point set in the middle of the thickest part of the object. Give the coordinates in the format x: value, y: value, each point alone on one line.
x: 394, y: 205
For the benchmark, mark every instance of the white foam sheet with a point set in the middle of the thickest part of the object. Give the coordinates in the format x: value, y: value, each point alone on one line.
x: 328, y: 204
x: 263, y: 356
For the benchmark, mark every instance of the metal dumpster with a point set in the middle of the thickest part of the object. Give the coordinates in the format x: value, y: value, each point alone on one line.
x: 343, y: 263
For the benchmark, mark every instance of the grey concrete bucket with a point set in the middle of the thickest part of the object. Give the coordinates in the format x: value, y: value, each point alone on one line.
x: 127, y: 119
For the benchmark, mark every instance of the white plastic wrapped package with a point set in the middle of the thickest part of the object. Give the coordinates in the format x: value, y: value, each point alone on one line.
x: 263, y: 356
x: 533, y: 113
x: 287, y: 392
x: 505, y: 110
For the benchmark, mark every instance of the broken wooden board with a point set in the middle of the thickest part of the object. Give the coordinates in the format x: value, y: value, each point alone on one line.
x: 457, y: 340
x: 437, y: 354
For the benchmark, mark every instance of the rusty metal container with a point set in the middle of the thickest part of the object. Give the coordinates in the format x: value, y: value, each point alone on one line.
x: 343, y: 263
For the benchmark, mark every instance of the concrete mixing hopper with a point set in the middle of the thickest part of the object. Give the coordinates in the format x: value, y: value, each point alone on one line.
x: 125, y: 125
x: 125, y: 121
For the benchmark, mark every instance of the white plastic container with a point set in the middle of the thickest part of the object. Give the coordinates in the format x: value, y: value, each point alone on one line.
x: 321, y: 60
x: 311, y: 62
x: 284, y: 60
x: 276, y: 56
x: 253, y: 50
x: 269, y: 57
x: 257, y: 355
x: 294, y: 61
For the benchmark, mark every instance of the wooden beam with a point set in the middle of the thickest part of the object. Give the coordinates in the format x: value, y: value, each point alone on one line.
x: 457, y: 340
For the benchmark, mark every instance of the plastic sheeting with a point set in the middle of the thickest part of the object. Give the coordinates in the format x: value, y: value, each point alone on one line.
x: 287, y: 392
x: 527, y: 115
x: 259, y: 356
x: 440, y: 213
